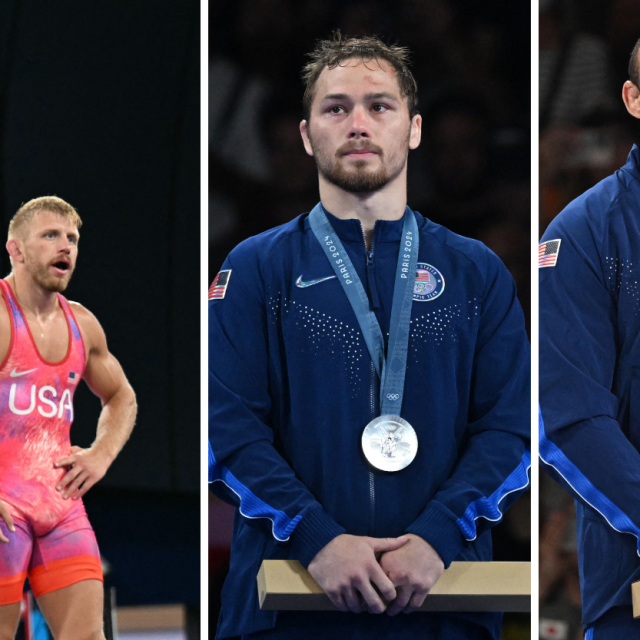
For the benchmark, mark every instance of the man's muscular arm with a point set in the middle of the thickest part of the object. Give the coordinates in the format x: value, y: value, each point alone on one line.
x: 107, y: 380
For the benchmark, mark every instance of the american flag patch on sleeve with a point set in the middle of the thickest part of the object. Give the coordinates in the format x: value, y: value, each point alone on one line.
x: 73, y: 378
x: 548, y: 253
x: 219, y: 285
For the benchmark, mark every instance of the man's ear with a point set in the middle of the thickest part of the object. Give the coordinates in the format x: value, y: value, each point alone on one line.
x: 631, y: 98
x: 15, y: 251
x: 415, y: 133
x: 304, y: 132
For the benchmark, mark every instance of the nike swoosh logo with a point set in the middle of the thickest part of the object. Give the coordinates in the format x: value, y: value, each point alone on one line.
x: 302, y: 285
x: 15, y: 374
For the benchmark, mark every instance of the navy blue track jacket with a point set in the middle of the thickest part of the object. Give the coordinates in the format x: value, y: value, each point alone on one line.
x: 292, y: 387
x: 590, y: 380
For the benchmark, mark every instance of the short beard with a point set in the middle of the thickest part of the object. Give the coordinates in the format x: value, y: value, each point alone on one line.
x: 358, y: 180
x: 43, y: 279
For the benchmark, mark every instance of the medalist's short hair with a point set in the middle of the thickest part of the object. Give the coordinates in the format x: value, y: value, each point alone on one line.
x: 27, y: 211
x: 332, y: 53
x: 634, y: 72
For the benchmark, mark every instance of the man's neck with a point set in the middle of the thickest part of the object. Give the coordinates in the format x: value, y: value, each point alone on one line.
x: 388, y: 203
x: 31, y: 296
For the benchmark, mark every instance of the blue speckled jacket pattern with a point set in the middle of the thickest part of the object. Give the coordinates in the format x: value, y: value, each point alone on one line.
x: 590, y: 380
x: 292, y: 386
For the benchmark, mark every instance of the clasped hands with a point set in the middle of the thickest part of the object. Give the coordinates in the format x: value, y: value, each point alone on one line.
x: 377, y: 574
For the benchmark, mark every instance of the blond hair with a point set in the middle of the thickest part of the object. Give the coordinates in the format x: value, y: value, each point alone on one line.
x: 53, y: 204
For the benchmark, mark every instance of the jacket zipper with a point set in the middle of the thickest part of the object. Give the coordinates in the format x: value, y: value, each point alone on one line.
x: 372, y: 478
x: 371, y: 280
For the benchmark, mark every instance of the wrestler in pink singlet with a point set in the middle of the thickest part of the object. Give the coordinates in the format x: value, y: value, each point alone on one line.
x: 54, y: 543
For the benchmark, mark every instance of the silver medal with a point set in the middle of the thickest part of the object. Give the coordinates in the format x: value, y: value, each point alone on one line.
x: 389, y: 443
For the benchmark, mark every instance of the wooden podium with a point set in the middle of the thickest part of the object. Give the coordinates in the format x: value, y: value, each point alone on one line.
x: 635, y: 599
x: 465, y: 586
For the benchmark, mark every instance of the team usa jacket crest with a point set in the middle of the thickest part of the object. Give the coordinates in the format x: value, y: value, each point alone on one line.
x: 590, y: 380
x: 292, y: 387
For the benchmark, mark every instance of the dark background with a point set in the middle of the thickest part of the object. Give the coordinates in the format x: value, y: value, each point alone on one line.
x: 585, y: 130
x: 100, y: 105
x: 471, y: 172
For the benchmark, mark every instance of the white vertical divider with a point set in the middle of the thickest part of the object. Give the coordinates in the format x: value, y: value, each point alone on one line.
x: 535, y: 234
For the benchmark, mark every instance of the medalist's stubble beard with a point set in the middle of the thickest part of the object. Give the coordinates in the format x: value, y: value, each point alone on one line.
x: 359, y: 180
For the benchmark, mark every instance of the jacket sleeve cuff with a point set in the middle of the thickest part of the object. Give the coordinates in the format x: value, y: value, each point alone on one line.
x: 440, y: 530
x: 315, y: 531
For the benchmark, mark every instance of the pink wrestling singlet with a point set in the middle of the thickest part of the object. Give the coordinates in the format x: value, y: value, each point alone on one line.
x: 36, y: 412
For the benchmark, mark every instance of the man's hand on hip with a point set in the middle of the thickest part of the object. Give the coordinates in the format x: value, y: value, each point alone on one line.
x: 8, y: 520
x: 413, y: 569
x: 87, y: 466
x: 347, y: 569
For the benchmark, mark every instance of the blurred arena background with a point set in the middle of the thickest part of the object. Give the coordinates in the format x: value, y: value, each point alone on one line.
x: 585, y: 135
x: 100, y: 105
x: 471, y: 173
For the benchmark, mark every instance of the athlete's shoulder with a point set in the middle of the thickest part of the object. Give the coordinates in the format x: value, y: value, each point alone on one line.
x: 80, y: 312
x: 251, y: 264
x: 92, y: 331
x: 602, y: 207
x: 258, y: 248
x: 588, y: 213
x: 468, y: 253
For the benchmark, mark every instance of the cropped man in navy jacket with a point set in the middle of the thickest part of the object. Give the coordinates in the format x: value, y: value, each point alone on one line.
x: 590, y: 381
x: 292, y: 383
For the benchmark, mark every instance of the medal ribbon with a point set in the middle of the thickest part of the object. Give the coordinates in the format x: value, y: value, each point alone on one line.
x: 392, y: 369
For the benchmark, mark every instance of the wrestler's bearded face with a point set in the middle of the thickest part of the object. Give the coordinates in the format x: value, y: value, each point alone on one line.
x: 50, y: 251
x: 359, y: 131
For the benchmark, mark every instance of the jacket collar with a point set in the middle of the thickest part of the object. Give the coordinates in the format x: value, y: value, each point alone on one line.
x: 385, y: 230
x: 633, y: 162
